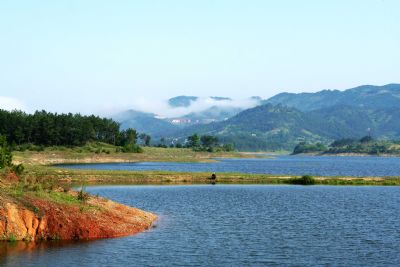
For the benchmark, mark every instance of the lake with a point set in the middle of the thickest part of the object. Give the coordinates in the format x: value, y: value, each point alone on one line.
x: 240, y: 225
x: 285, y: 165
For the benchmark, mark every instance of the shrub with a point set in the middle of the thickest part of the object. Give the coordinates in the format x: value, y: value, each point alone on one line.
x: 82, y: 195
x: 132, y: 148
x: 304, y: 180
x: 12, y: 238
x: 18, y: 169
x: 38, y: 148
x: 303, y: 147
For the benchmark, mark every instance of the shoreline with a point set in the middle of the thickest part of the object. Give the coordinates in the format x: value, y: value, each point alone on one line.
x: 40, y: 206
x: 21, y: 205
x: 36, y: 218
x: 347, y: 155
x: 47, y: 169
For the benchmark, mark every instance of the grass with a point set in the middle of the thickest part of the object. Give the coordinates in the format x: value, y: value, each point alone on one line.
x: 57, y: 197
x: 53, y: 155
x: 79, y: 176
x: 38, y: 166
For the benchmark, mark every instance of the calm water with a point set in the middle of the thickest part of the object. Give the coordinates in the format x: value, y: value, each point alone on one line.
x: 241, y: 225
x: 291, y: 165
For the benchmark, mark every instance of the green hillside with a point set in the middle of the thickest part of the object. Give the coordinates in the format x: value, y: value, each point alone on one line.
x: 276, y: 127
x: 366, y: 96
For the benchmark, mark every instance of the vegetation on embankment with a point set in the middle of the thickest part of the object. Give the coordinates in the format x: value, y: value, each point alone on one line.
x: 35, y: 207
x: 364, y: 146
x: 38, y: 207
x: 93, y: 177
x: 38, y: 164
x: 96, y: 152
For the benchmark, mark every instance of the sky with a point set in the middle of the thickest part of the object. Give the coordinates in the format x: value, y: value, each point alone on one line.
x: 93, y: 56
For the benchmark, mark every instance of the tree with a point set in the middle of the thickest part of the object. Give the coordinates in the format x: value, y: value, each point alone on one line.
x: 145, y: 138
x: 193, y: 141
x: 228, y: 147
x: 5, y: 154
x: 48, y: 129
x: 343, y: 142
x: 366, y: 139
x: 303, y: 147
x: 209, y: 141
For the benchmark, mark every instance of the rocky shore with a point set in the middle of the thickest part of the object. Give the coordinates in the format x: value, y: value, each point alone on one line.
x: 42, y: 219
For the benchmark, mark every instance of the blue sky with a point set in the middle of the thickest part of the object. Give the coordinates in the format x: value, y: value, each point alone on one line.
x: 86, y: 56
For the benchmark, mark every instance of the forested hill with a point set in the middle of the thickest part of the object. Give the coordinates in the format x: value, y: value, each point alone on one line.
x: 366, y: 96
x: 275, y: 127
x: 266, y: 127
x: 48, y: 129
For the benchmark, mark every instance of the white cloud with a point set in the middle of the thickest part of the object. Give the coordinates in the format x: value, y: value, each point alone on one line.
x: 10, y: 103
x: 163, y: 109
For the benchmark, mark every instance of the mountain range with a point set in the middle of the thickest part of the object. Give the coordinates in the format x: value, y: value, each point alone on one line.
x: 286, y: 119
x: 194, y: 111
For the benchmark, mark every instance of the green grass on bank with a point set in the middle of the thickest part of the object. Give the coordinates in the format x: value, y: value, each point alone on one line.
x: 52, y: 176
x: 54, y: 155
x: 39, y: 167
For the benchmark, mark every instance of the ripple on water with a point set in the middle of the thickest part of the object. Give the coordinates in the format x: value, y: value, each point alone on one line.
x: 242, y: 225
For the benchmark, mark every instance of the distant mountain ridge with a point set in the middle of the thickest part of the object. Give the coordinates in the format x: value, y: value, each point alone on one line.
x: 368, y: 96
x: 284, y: 120
x: 287, y: 119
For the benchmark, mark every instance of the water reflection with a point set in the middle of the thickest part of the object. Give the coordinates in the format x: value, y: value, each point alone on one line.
x: 12, y: 249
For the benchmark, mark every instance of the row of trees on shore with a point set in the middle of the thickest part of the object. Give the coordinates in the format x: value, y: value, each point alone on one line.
x: 51, y: 129
x: 364, y: 145
x: 207, y: 143
x: 42, y: 129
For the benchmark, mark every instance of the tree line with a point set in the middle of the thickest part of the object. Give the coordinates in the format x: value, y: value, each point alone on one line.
x: 207, y: 143
x: 51, y: 129
x: 364, y: 145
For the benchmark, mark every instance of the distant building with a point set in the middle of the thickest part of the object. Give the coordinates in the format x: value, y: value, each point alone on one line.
x: 181, y: 121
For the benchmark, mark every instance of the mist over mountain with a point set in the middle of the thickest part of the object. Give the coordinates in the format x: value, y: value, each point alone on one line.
x: 182, y: 101
x: 145, y: 123
x: 159, y: 118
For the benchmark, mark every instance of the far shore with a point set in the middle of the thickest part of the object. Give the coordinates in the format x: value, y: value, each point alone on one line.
x: 319, y: 154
